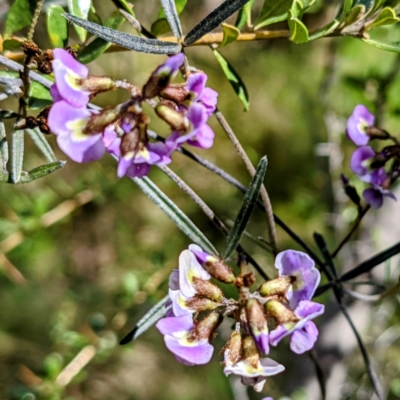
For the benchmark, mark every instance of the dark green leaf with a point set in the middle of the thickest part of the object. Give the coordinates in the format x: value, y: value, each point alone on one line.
x: 234, y: 79
x: 175, y: 213
x: 38, y: 96
x: 249, y: 201
x: 19, y: 16
x: 147, y: 321
x: 244, y: 15
x: 11, y: 44
x: 40, y: 141
x: 171, y: 14
x: 152, y: 46
x: 231, y: 33
x: 40, y: 172
x: 98, y: 46
x: 214, y: 19
x: 160, y: 27
x: 80, y: 9
x: 273, y: 11
x: 368, y: 265
x: 298, y: 31
x: 57, y: 26
x: 17, y: 155
x: 3, y: 150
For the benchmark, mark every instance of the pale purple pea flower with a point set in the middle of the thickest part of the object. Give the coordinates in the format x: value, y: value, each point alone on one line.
x: 300, y: 266
x: 69, y: 75
x: 358, y: 123
x: 304, y: 333
x: 196, y: 85
x: 375, y: 195
x: 201, y: 255
x: 176, y: 332
x: 360, y: 164
x: 67, y: 123
x: 171, y: 67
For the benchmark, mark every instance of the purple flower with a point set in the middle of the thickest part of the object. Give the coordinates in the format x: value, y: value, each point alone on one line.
x: 358, y: 123
x: 198, y: 92
x: 67, y: 123
x: 374, y: 196
x: 178, y: 337
x: 171, y: 67
x: 304, y: 333
x: 301, y: 267
x: 69, y: 75
x: 258, y: 324
x: 361, y: 159
x: 201, y: 256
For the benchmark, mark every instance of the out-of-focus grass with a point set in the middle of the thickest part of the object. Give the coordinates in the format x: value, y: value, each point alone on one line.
x: 87, y: 277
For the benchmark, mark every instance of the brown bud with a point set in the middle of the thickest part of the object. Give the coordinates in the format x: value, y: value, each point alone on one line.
x: 218, y: 269
x: 98, y: 122
x: 45, y: 67
x: 97, y: 84
x: 177, y: 93
x: 201, y: 304
x: 172, y: 117
x: 234, y: 347
x: 278, y: 286
x: 205, y: 328
x: 30, y: 48
x: 250, y: 352
x: 255, y: 315
x: 280, y: 313
x: 207, y: 289
x: 376, y: 133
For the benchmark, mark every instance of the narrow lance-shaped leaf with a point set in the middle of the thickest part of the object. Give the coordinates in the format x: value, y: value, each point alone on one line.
x: 246, y: 209
x: 3, y: 152
x: 131, y: 42
x: 367, y: 265
x: 393, y: 46
x: 80, y: 9
x: 162, y: 26
x: 175, y: 213
x: 98, y: 46
x: 234, y: 79
x: 40, y: 141
x: 40, y: 172
x: 17, y: 155
x: 214, y: 19
x: 147, y: 321
x: 244, y: 15
x: 171, y: 14
x: 123, y: 5
x: 57, y: 26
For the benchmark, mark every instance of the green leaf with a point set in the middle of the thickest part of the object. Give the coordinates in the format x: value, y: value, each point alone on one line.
x: 40, y: 172
x: 249, y: 202
x: 152, y: 46
x: 273, y: 11
x: 39, y: 96
x: 355, y: 14
x: 298, y: 31
x: 180, y: 219
x: 96, y: 48
x: 17, y: 155
x: 3, y: 150
x: 80, y: 9
x: 244, y: 15
x: 57, y: 27
x: 326, y: 30
x: 170, y: 8
x: 161, y: 26
x: 234, y: 79
x: 147, y: 321
x: 214, y: 19
x: 394, y: 46
x: 386, y: 17
x: 344, y: 11
x: 231, y: 33
x: 124, y: 5
x: 11, y: 44
x: 40, y: 141
x: 19, y: 16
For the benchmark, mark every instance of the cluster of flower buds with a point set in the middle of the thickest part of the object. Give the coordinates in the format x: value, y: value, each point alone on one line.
x: 85, y: 134
x: 368, y: 164
x: 280, y: 307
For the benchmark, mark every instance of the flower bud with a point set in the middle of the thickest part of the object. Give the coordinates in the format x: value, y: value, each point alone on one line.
x: 207, y: 289
x: 206, y: 327
x: 97, y: 84
x: 172, y: 117
x: 98, y: 122
x: 177, y: 93
x: 280, y: 313
x: 350, y: 190
x: 199, y: 304
x: 250, y: 352
x: 233, y: 348
x: 278, y: 286
x: 258, y: 324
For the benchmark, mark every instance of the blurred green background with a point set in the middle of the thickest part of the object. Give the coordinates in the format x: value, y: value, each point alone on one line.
x: 84, y: 254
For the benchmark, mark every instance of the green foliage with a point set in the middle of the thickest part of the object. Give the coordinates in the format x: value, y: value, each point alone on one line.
x: 80, y: 9
x: 17, y: 155
x: 19, y: 16
x: 57, y: 28
x: 231, y: 34
x: 161, y: 25
x: 244, y: 15
x: 234, y: 79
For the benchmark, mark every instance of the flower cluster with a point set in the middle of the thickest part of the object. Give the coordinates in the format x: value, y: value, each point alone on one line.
x: 85, y: 134
x: 280, y: 307
x: 368, y: 164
